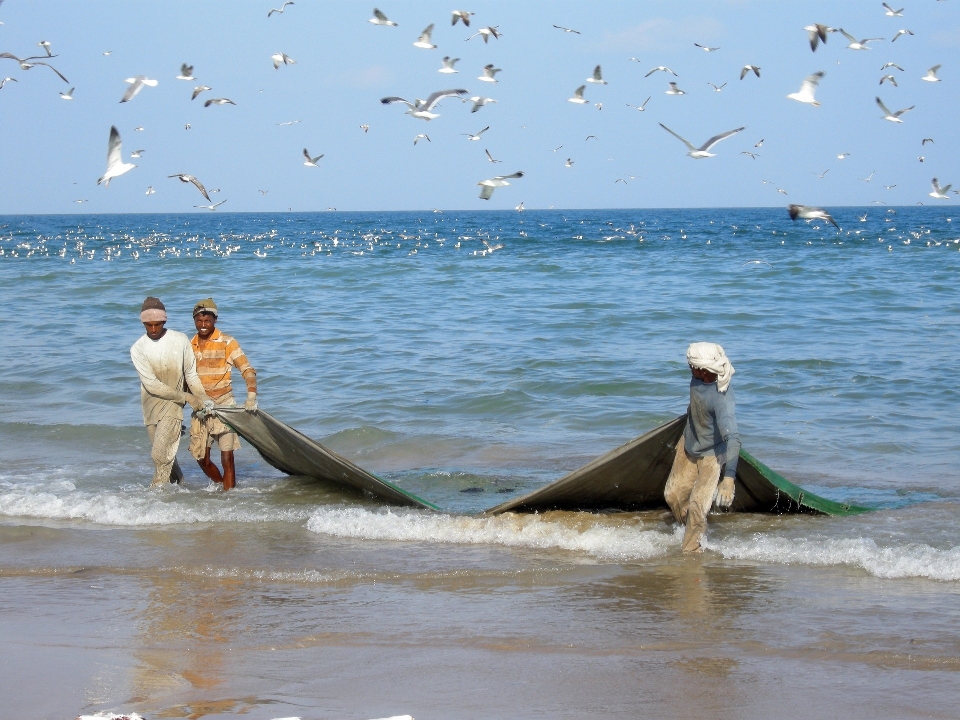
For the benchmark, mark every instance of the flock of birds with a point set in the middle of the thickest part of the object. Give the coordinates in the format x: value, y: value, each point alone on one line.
x: 427, y: 109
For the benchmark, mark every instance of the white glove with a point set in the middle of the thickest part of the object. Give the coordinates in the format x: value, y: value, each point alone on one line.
x: 725, y: 492
x: 251, y: 404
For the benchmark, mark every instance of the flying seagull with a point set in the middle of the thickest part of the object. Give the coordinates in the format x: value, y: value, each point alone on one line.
x: 717, y: 88
x: 150, y: 190
x: 380, y: 19
x: 705, y: 48
x: 931, y: 75
x: 892, y: 116
x: 186, y: 72
x: 807, y: 89
x: 858, y: 44
x: 901, y: 32
x: 191, y: 179
x: 820, y: 175
x: 477, y: 135
x: 490, y: 157
x: 566, y: 30
x: 568, y: 163
x: 421, y: 136
x: 747, y: 69
x: 925, y: 141
x: 461, y: 15
x: 597, y: 77
x: 642, y: 107
x: 448, y: 63
x: 5, y: 80
x: 219, y: 101
x: 136, y: 154
x: 486, y: 33
x: 890, y: 12
x: 842, y: 155
x: 703, y: 151
x: 199, y: 89
x: 68, y: 95
x: 365, y: 127
x: 280, y: 9
x: 46, y: 47
x: 939, y: 192
x: 817, y: 33
x: 479, y: 102
x: 210, y: 207
x: 488, y: 186
x: 115, y: 164
x: 578, y: 96
x: 424, y: 40
x: 894, y: 65
x: 29, y: 62
x: 807, y: 212
x: 310, y: 161
x: 753, y: 156
x: 674, y: 90
x: 488, y: 73
x: 136, y: 85
x: 889, y: 78
x: 281, y: 58
x: 422, y: 108
x: 661, y: 68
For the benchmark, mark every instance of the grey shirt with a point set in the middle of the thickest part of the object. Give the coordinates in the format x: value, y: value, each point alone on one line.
x: 712, y: 425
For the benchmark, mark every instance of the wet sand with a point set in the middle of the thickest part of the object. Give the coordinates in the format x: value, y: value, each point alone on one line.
x: 279, y: 621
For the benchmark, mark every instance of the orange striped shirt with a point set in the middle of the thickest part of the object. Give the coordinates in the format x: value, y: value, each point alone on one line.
x: 221, y: 352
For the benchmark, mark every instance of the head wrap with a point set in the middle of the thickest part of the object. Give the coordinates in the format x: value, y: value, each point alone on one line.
x: 153, y: 310
x: 711, y: 357
x: 205, y: 306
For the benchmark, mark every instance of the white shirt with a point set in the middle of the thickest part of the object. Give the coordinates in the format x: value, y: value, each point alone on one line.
x: 163, y: 365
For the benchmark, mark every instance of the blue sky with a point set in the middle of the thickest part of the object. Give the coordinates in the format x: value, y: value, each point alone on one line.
x: 54, y: 150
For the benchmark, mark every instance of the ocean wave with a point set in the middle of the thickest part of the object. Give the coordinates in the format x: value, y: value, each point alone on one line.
x: 914, y: 560
x: 578, y: 532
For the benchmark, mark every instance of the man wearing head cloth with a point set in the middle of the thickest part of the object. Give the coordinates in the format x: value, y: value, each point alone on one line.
x: 167, y: 368
x: 710, y: 444
x: 216, y: 353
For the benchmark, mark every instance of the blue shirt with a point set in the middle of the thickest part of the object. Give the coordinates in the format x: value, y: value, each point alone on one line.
x: 712, y: 425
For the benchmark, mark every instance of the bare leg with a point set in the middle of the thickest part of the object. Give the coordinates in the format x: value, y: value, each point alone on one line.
x: 229, y: 470
x: 209, y: 469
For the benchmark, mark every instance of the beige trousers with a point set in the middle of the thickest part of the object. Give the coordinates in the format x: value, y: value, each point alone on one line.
x: 165, y: 436
x: 689, y: 492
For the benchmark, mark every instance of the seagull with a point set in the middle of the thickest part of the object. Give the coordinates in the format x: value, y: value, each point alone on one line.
x: 568, y: 163
x: 674, y: 90
x: 858, y: 44
x: 717, y: 88
x: 925, y: 141
x: 747, y: 69
x: 591, y: 136
x: 758, y: 143
x: 422, y: 108
x: 424, y: 40
x: 280, y: 9
x: 115, y: 164
x: 781, y: 191
x: 488, y: 73
x: 187, y: 126
x: 566, y: 30
x: 46, y: 46
x: 199, y: 89
x: 519, y: 208
x: 869, y: 177
x: 150, y: 190
x: 191, y: 179
x: 186, y: 72
x: 288, y: 122
x: 599, y: 106
x: 597, y: 77
x: 68, y: 95
x: 705, y: 48
x: 219, y: 101
x: 490, y: 157
x: 461, y: 15
x: 380, y: 19
x: 901, y: 32
x: 479, y: 102
x: 29, y: 62
x: 704, y: 150
x: 753, y: 156
x: 931, y: 75
x: 661, y: 68
x: 421, y: 136
x: 138, y: 128
x: 807, y: 89
x: 892, y: 117
x: 817, y: 34
x: 5, y: 80
x: 486, y: 33
x: 578, y: 96
x: 448, y: 63
x: 310, y: 161
x: 890, y: 12
x: 889, y: 187
x: 642, y: 107
x: 620, y: 180
x: 488, y: 186
x: 281, y: 58
x: 364, y: 127
x: 477, y: 136
x: 820, y: 175
x: 210, y: 207
x: 841, y: 156
x: 136, y: 154
x: 890, y: 78
x: 806, y: 212
x: 939, y: 192
x: 136, y: 85
x: 892, y: 64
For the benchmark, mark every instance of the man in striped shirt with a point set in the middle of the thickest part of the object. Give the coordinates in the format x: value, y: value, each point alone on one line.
x: 217, y: 353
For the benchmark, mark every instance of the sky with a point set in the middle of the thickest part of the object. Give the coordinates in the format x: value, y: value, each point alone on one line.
x: 54, y: 150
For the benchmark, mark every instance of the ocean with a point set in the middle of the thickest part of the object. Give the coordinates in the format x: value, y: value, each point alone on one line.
x: 469, y: 357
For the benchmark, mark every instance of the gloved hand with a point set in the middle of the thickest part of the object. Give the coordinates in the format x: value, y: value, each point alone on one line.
x: 725, y: 492
x: 251, y: 404
x: 195, y: 401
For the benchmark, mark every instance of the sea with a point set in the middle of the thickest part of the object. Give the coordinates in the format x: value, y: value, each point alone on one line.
x: 469, y: 357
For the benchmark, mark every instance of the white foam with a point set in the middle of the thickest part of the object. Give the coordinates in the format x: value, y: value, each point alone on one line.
x: 598, y: 539
x: 913, y: 560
